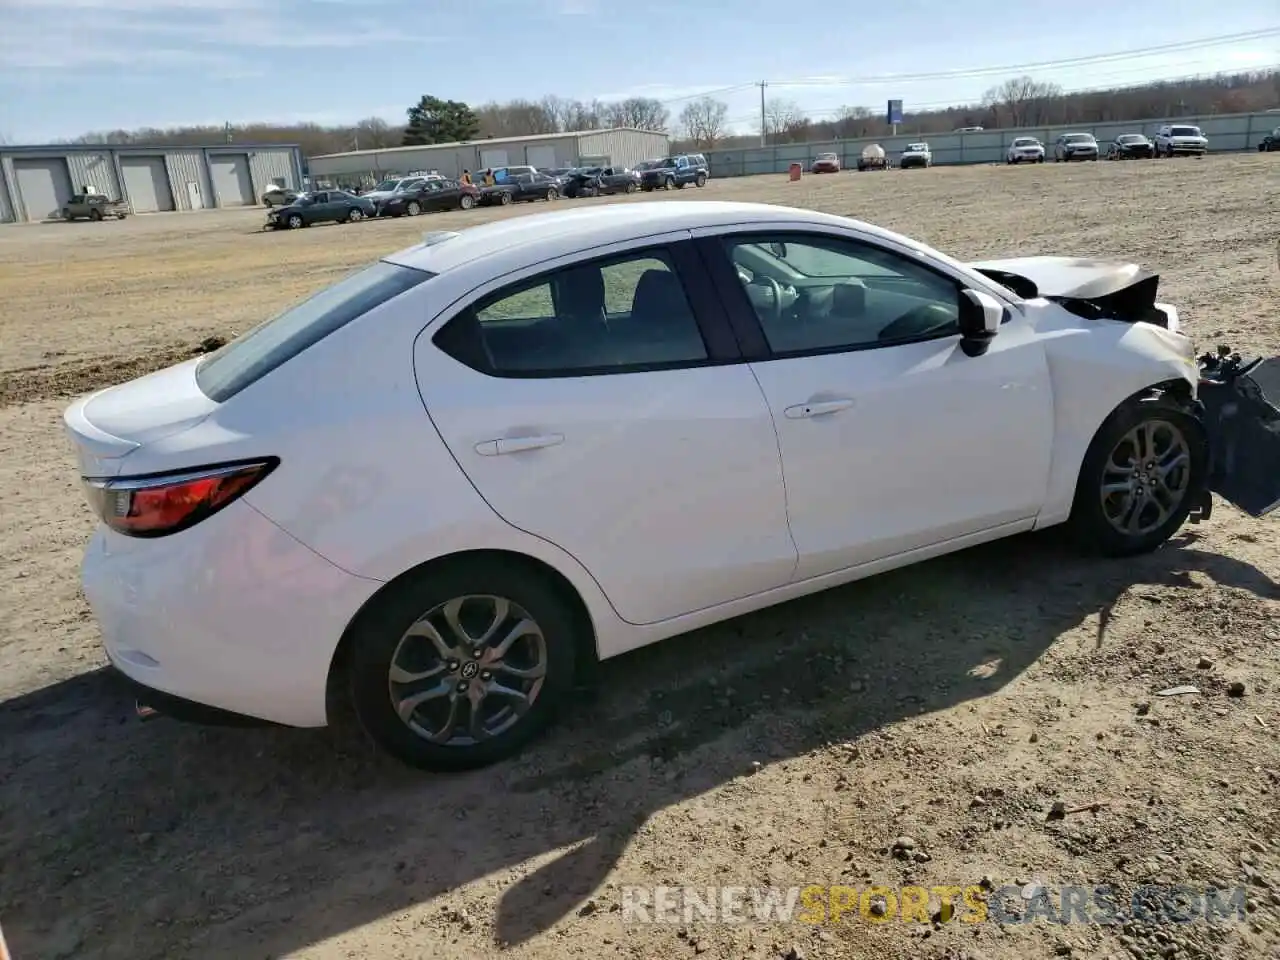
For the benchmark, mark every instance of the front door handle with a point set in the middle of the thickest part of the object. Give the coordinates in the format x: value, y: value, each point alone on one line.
x: 495, y: 448
x: 817, y: 408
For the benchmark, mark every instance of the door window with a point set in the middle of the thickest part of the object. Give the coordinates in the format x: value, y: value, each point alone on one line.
x: 609, y: 316
x: 823, y: 294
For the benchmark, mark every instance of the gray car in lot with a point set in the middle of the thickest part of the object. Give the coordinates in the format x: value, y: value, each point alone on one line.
x: 1075, y: 146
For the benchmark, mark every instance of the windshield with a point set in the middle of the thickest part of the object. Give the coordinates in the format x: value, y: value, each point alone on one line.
x: 1026, y: 142
x: 1130, y: 138
x: 1184, y: 132
x: 252, y: 355
x: 826, y: 156
x: 1079, y: 138
x: 917, y: 147
x: 668, y: 162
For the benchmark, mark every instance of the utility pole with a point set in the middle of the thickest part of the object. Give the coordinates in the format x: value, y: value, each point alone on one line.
x: 764, y: 126
x: 227, y: 130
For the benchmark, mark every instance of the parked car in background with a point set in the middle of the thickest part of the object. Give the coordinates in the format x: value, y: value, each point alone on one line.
x: 1181, y: 140
x: 431, y: 195
x: 644, y: 165
x: 916, y: 155
x: 386, y: 188
x: 558, y: 172
x: 260, y: 538
x: 825, y: 163
x: 678, y: 171
x: 321, y: 206
x: 1130, y: 146
x: 534, y: 186
x: 600, y: 181
x: 279, y: 197
x: 1075, y: 146
x: 94, y: 206
x: 503, y: 174
x: 1025, y: 150
x: 1270, y: 142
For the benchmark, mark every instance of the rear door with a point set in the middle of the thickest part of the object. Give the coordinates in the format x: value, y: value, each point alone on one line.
x: 600, y: 405
x: 444, y: 194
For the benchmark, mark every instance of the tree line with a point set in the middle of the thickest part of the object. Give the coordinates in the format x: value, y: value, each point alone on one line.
x: 704, y: 123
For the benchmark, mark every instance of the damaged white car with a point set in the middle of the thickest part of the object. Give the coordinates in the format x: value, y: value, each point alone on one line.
x: 445, y: 484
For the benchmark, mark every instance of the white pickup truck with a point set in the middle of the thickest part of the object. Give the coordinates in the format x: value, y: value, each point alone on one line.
x: 1181, y: 139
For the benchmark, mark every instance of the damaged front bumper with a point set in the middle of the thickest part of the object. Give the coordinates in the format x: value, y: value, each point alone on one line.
x: 1240, y: 408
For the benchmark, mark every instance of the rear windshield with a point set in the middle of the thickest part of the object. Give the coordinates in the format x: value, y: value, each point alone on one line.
x: 254, y: 354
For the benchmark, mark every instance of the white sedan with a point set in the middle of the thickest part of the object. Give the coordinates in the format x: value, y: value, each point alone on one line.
x: 443, y: 483
x: 1025, y: 150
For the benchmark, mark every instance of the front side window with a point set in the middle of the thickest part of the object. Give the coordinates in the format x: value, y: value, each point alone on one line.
x: 254, y: 354
x: 609, y: 316
x: 827, y: 293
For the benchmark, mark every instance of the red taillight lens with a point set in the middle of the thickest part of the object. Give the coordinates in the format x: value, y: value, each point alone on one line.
x: 157, y: 506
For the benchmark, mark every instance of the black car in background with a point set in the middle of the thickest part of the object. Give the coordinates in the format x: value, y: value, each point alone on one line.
x: 600, y: 181
x: 1130, y: 146
x: 534, y: 186
x: 430, y: 195
x: 321, y: 206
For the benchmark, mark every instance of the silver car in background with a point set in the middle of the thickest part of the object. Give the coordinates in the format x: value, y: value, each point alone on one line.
x: 1075, y: 146
x: 1025, y: 150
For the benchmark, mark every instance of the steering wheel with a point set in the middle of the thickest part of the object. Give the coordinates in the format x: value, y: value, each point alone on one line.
x: 777, y: 296
x: 924, y: 320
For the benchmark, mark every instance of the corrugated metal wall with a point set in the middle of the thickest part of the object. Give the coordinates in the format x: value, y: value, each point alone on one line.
x: 449, y: 159
x: 184, y: 167
x: 266, y: 166
x: 95, y: 169
x: 6, y: 205
x: 1227, y: 133
x: 624, y: 148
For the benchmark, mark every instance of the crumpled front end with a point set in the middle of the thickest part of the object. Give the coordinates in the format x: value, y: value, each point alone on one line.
x: 1240, y: 408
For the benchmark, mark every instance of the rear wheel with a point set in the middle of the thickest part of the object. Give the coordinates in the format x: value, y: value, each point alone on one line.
x: 413, y: 209
x: 461, y: 666
x: 700, y: 181
x: 354, y: 215
x: 668, y: 183
x: 552, y: 193
x: 95, y: 214
x: 1140, y: 478
x: 631, y: 188
x: 504, y: 198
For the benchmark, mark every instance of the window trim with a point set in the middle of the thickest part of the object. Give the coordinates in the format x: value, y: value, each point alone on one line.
x: 713, y: 323
x: 742, y: 315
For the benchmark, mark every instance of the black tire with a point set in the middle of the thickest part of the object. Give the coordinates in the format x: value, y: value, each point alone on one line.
x: 631, y: 188
x: 668, y: 184
x: 66, y: 214
x: 413, y: 208
x: 467, y: 201
x: 504, y: 197
x: 1088, y: 524
x: 355, y: 215
x: 700, y: 181
x: 1040, y: 160
x: 295, y: 222
x: 376, y: 636
x: 95, y: 215
x: 552, y: 194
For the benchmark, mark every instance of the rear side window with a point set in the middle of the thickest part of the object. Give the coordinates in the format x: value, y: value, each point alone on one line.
x: 254, y: 354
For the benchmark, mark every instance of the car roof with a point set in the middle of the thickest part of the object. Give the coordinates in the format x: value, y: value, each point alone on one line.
x: 537, y: 237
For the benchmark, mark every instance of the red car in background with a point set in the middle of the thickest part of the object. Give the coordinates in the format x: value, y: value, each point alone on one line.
x: 826, y: 163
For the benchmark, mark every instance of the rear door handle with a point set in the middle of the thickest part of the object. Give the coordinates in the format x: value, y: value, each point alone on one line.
x: 817, y: 408
x: 495, y: 448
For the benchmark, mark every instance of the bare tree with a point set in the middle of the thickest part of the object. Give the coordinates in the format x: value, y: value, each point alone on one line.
x: 856, y: 122
x: 374, y: 133
x: 1022, y: 101
x: 640, y: 113
x: 785, y: 121
x: 704, y: 121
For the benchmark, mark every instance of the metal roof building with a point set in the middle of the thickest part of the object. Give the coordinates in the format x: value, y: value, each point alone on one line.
x: 620, y: 146
x: 36, y: 182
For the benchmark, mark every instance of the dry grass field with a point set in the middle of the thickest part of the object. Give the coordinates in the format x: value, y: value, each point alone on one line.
x: 952, y: 703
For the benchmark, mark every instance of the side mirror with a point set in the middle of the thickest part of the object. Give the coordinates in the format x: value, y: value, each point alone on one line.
x: 778, y: 249
x: 980, y: 317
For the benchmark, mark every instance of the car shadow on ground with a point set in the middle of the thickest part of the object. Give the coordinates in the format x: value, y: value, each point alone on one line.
x: 161, y: 839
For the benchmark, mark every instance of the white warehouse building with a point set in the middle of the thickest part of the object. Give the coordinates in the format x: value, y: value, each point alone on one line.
x: 36, y: 182
x: 620, y: 146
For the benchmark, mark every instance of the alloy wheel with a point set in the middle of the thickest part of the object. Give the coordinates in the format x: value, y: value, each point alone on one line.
x: 468, y: 670
x: 1146, y: 478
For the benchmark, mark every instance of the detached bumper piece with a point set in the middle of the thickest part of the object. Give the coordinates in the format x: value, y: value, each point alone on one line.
x: 1241, y: 413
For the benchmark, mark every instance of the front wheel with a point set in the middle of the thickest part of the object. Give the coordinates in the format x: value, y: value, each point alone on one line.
x: 467, y: 201
x: 668, y: 184
x: 504, y: 198
x: 1140, y: 479
x: 552, y: 194
x: 295, y: 222
x: 700, y: 181
x: 413, y: 209
x: 631, y: 188
x: 460, y: 667
x: 95, y: 215
x: 354, y: 215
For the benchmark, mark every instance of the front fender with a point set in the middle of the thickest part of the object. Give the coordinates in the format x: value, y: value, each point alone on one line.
x: 1094, y: 367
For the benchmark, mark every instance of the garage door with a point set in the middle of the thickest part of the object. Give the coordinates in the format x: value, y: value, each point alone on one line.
x: 232, y: 184
x: 146, y: 184
x: 542, y: 157
x: 493, y: 158
x: 44, y: 186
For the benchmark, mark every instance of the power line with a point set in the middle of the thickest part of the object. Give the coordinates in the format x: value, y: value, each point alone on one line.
x: 1116, y: 56
x: 1099, y: 85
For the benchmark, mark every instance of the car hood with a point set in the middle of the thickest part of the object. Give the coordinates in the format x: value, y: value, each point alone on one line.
x: 1081, y: 277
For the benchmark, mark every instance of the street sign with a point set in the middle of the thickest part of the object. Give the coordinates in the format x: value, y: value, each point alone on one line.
x: 894, y: 113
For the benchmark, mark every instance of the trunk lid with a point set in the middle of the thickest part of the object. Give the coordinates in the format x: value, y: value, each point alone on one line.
x: 107, y: 426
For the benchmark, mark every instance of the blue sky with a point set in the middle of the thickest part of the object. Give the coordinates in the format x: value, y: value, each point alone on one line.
x: 68, y: 66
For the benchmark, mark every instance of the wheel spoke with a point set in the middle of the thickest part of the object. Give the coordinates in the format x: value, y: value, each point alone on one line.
x: 424, y: 628
x: 408, y: 706
x: 400, y: 675
x: 535, y: 672
x: 524, y: 628
x: 501, y: 612
x: 445, y: 733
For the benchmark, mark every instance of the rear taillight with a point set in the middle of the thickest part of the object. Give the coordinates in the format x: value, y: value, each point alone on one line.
x: 160, y: 505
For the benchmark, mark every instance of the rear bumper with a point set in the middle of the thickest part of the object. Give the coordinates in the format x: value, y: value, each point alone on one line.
x: 232, y: 614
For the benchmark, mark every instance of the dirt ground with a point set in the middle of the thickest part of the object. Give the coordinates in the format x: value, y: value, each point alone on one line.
x: 951, y: 704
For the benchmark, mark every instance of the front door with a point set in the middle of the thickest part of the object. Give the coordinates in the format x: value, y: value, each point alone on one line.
x: 892, y: 439
x: 596, y: 405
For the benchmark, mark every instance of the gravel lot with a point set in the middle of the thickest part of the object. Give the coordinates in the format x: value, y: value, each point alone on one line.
x: 951, y: 704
